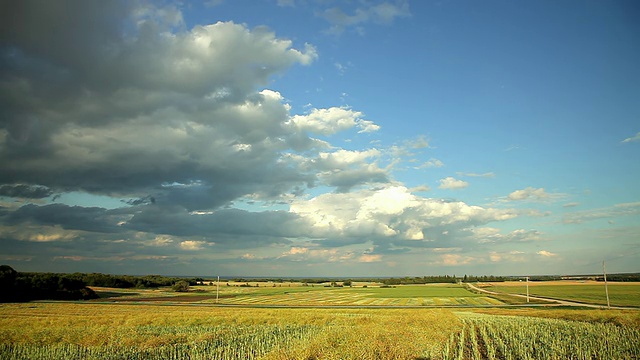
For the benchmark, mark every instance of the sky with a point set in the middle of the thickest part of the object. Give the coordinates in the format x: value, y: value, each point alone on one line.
x: 299, y: 138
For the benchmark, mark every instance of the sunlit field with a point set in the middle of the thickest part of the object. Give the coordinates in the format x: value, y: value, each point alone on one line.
x: 591, y: 292
x: 365, y: 321
x: 296, y: 294
x: 107, y: 331
x: 154, y: 331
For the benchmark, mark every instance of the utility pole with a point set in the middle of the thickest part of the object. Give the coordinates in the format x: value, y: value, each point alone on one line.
x: 217, y: 288
x: 606, y: 289
x: 527, y: 289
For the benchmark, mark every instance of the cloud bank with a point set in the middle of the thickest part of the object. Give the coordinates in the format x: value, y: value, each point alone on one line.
x: 206, y: 163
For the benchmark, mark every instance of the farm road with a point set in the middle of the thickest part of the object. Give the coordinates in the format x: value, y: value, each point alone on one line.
x: 551, y: 301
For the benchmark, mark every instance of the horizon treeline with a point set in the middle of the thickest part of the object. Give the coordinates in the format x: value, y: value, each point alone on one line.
x: 19, y: 287
x: 26, y: 286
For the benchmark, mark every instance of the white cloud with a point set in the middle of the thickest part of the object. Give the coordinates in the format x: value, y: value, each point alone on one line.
x: 383, y: 13
x: 420, y: 188
x: 617, y: 210
x: 483, y: 175
x: 452, y: 183
x: 368, y: 258
x: 345, y: 169
x: 192, y: 245
x: 534, y: 194
x: 528, y: 193
x: 367, y: 126
x: 545, y: 253
x: 432, y: 163
x: 513, y: 256
x: 332, y: 120
x: 41, y: 234
x: 420, y: 142
x: 298, y: 250
x: 489, y: 235
x: 634, y: 138
x: 312, y: 255
x: 388, y: 212
x: 160, y: 240
x: 343, y: 159
x: 455, y: 260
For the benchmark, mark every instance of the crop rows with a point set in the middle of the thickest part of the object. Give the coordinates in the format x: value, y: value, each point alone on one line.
x: 86, y: 331
x: 219, y: 343
x: 511, y: 337
x: 109, y: 331
x: 337, y: 297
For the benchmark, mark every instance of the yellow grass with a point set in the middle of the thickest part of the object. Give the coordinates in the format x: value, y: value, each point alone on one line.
x: 342, y: 333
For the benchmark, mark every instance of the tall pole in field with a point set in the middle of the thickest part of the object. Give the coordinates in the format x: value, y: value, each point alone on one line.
x: 527, y: 289
x: 606, y: 289
x: 217, y: 288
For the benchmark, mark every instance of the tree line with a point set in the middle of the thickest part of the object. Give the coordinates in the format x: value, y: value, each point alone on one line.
x: 26, y: 286
x: 18, y: 287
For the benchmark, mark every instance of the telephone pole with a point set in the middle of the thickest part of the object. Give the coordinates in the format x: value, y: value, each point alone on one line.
x: 527, y: 289
x: 217, y: 288
x: 606, y: 289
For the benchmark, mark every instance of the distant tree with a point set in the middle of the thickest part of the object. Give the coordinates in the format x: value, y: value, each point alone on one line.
x: 7, y: 276
x: 346, y: 283
x: 181, y: 286
x: 7, y: 283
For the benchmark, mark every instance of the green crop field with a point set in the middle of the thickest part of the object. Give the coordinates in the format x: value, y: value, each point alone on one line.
x: 408, y: 295
x: 620, y: 294
x: 149, y: 331
x: 299, y: 295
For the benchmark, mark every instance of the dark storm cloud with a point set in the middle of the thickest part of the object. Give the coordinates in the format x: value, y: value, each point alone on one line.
x: 344, y: 181
x: 25, y: 191
x: 173, y: 220
x: 118, y: 98
x: 68, y: 217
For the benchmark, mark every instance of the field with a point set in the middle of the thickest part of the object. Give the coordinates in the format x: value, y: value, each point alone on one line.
x: 292, y: 294
x: 591, y: 292
x: 149, y: 331
x: 106, y: 331
x: 161, y: 324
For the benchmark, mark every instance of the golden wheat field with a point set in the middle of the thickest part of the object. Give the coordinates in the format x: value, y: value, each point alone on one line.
x: 160, y: 331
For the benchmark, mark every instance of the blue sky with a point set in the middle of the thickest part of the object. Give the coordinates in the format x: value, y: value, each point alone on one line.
x: 320, y: 138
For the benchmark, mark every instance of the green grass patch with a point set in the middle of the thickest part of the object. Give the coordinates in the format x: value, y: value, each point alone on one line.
x: 619, y: 294
x: 417, y: 291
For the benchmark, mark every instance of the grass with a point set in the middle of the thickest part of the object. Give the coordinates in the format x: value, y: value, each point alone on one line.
x: 417, y: 291
x: 525, y: 337
x: 626, y: 318
x: 620, y: 294
x: 92, y: 330
x: 299, y: 295
x: 96, y: 331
